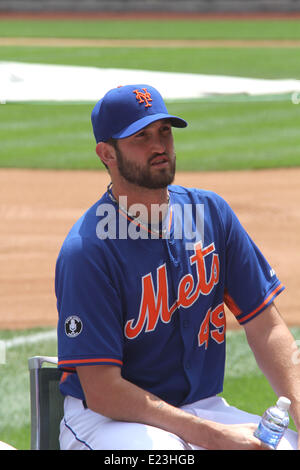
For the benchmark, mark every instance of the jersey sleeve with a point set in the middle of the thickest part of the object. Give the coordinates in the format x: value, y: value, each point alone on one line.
x: 250, y: 282
x: 90, y: 318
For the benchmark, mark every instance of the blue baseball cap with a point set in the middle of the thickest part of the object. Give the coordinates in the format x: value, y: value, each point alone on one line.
x: 125, y: 110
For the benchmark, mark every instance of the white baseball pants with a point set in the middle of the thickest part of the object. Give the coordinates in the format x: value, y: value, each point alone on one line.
x: 83, y: 429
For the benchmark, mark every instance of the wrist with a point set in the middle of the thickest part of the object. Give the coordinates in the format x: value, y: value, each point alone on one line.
x: 295, y: 413
x: 204, y: 433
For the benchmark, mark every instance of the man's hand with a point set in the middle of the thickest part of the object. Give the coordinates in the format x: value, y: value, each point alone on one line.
x: 237, y: 437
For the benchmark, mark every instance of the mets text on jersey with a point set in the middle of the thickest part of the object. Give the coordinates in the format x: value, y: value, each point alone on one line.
x: 154, y: 305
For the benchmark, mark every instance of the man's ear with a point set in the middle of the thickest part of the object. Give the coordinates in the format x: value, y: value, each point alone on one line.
x: 106, y: 153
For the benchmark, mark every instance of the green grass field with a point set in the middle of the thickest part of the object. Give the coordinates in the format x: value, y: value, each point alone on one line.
x: 252, y: 62
x: 150, y: 29
x: 224, y: 133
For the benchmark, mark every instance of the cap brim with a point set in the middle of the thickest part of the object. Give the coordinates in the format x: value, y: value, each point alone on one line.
x: 141, y: 123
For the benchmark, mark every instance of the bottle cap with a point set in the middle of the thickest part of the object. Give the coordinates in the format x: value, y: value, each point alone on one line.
x: 283, y: 403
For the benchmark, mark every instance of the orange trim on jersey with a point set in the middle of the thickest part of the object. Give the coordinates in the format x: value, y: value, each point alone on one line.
x: 88, y: 361
x: 233, y: 307
x: 170, y: 220
x: 64, y: 376
x: 135, y: 223
x: 265, y: 302
x: 143, y: 227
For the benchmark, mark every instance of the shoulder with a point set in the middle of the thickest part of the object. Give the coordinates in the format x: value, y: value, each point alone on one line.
x: 184, y: 194
x: 82, y: 239
x: 214, y: 207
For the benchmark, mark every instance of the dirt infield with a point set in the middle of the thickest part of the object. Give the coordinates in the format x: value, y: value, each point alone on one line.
x: 142, y: 43
x: 38, y: 207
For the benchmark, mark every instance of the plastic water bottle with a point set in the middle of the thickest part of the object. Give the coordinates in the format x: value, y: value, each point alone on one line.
x: 274, y: 422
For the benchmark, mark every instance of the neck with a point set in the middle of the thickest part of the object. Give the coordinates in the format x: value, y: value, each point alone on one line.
x: 139, y: 195
x: 149, y: 205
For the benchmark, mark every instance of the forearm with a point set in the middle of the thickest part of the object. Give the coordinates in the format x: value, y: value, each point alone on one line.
x: 274, y: 350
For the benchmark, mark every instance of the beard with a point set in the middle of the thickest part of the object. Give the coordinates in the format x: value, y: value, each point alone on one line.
x: 142, y: 176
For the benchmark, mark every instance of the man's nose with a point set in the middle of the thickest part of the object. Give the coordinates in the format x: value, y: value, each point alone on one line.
x: 158, y: 144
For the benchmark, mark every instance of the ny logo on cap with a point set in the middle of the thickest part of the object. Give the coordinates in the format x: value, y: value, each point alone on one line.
x: 143, y: 97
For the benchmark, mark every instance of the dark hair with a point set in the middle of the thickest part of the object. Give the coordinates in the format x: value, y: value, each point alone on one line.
x: 113, y: 142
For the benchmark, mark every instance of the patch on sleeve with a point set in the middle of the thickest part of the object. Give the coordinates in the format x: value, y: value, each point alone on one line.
x: 73, y: 326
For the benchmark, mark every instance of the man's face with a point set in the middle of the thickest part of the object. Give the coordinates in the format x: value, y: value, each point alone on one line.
x: 147, y: 158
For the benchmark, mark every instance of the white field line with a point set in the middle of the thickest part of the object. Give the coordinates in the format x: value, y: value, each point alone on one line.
x: 29, y: 339
x: 24, y: 340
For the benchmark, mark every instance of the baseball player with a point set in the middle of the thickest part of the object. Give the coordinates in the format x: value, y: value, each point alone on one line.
x: 141, y: 283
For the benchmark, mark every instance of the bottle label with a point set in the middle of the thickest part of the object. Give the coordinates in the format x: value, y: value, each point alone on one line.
x: 271, y: 435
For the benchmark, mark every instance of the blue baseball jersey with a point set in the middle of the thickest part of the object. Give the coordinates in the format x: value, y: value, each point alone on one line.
x: 152, y: 304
